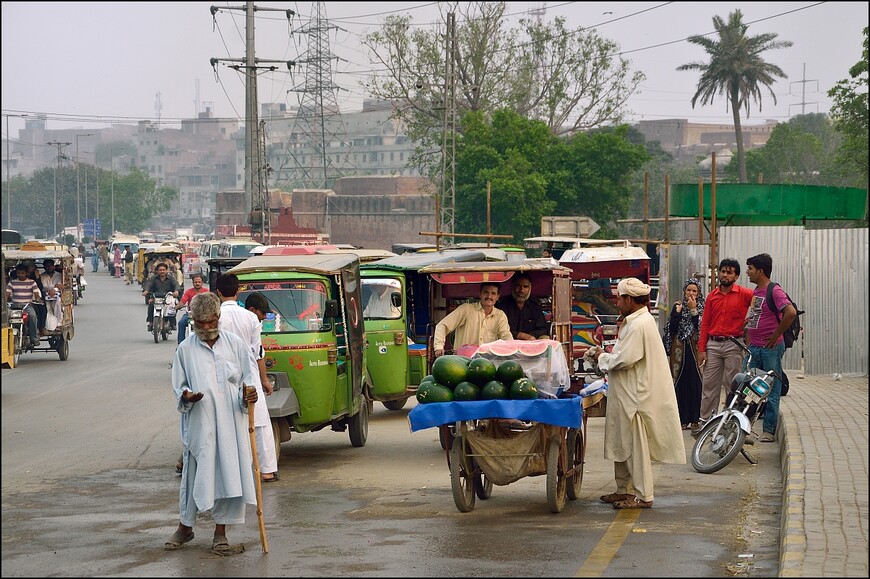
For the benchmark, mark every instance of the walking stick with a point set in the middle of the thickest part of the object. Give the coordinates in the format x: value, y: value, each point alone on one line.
x: 257, y: 483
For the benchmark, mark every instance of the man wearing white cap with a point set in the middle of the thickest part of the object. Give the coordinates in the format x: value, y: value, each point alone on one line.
x: 642, y: 422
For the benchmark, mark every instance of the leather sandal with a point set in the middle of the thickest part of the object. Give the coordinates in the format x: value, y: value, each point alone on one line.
x: 615, y: 497
x: 634, y: 503
x: 177, y: 541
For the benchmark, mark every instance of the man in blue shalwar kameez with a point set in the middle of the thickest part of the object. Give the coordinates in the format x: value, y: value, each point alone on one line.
x: 208, y: 377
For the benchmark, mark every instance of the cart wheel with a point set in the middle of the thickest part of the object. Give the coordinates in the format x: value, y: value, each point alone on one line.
x: 482, y: 485
x: 576, y: 458
x: 445, y: 436
x: 461, y: 478
x: 556, y: 481
x: 62, y: 348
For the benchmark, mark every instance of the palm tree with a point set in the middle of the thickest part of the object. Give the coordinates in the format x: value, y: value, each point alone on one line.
x: 737, y: 70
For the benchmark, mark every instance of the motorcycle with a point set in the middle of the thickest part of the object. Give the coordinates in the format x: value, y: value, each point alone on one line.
x: 160, y: 324
x: 723, y: 437
x: 18, y: 320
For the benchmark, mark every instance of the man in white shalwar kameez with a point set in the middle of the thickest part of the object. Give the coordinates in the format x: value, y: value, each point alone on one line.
x: 246, y: 325
x: 642, y: 422
x: 209, y: 373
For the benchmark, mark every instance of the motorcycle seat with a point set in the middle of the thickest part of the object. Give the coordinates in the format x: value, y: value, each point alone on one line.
x: 17, y: 305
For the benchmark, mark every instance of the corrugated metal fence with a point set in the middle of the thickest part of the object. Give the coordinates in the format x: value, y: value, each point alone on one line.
x: 825, y: 271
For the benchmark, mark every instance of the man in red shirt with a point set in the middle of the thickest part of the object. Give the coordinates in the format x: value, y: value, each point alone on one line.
x: 724, y: 316
x: 197, y: 288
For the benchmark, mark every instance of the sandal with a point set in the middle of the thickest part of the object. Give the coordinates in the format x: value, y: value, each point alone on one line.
x: 272, y: 478
x: 615, y: 497
x: 177, y: 541
x: 634, y: 503
x: 221, y: 546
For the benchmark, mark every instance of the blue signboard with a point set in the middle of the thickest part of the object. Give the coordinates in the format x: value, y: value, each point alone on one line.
x: 92, y: 227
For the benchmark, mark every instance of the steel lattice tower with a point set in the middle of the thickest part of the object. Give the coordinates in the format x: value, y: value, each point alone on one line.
x: 318, y: 121
x: 448, y: 134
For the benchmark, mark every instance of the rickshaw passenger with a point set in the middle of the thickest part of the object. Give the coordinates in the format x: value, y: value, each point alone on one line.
x: 475, y: 323
x: 380, y: 303
x: 24, y: 290
x: 524, y: 313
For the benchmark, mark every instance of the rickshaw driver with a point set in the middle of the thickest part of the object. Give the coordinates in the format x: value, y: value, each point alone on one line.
x: 475, y: 324
x: 24, y: 290
x: 160, y: 282
x: 524, y: 313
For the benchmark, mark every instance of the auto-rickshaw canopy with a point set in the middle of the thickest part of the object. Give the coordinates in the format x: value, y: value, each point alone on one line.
x: 326, y: 264
x: 414, y: 261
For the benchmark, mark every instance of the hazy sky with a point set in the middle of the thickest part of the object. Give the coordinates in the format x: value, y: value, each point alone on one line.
x: 87, y: 64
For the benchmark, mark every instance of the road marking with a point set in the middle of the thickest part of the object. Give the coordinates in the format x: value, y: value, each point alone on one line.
x: 604, y: 552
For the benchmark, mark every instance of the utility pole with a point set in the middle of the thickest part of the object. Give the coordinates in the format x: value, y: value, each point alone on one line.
x: 803, y: 84
x: 448, y: 130
x: 57, y: 209
x: 256, y: 200
x: 78, y: 195
x: 8, y: 183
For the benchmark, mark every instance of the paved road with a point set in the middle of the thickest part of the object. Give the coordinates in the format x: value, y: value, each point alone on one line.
x: 88, y: 488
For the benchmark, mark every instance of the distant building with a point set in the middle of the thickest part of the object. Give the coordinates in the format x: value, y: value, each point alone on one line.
x: 688, y: 140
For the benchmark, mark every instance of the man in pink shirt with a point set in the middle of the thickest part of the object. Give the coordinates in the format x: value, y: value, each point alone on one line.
x: 198, y: 288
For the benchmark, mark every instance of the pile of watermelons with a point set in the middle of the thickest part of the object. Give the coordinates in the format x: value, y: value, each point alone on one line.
x: 460, y: 378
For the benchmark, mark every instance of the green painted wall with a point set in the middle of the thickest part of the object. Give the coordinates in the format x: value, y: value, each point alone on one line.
x: 761, y: 204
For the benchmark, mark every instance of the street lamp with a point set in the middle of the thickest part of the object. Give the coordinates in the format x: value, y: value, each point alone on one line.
x: 78, y: 195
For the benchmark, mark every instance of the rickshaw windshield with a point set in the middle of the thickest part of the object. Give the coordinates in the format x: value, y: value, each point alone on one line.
x: 377, y: 297
x: 297, y: 306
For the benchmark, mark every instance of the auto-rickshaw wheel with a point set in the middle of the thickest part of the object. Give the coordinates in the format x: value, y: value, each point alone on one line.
x: 276, y: 434
x: 359, y: 424
x: 19, y: 344
x: 62, y: 348
x: 395, y: 404
x: 576, y: 457
x: 556, y: 480
x: 461, y: 477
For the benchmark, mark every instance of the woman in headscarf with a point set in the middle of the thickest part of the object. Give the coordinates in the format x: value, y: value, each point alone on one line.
x: 681, y: 344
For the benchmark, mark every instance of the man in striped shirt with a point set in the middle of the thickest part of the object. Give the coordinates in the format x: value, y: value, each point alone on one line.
x: 24, y: 290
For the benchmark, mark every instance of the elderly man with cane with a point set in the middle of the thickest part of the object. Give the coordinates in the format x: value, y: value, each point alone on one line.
x: 210, y: 377
x: 642, y: 423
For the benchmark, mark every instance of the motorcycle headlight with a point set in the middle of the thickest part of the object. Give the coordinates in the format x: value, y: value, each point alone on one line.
x: 760, y: 386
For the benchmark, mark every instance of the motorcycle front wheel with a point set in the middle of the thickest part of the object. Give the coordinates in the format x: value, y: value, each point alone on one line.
x: 712, y: 453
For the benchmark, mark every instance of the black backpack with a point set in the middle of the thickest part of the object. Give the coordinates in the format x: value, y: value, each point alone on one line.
x: 793, y: 332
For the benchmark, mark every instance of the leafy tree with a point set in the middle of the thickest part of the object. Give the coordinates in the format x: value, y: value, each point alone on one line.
x: 533, y: 173
x: 737, y: 70
x: 800, y: 151
x: 850, y: 112
x: 569, y: 79
x: 136, y: 200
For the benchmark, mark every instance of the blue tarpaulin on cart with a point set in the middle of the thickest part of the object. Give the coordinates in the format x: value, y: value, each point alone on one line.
x: 567, y: 412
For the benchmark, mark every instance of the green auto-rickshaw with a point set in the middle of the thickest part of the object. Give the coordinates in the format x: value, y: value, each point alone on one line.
x: 313, y: 340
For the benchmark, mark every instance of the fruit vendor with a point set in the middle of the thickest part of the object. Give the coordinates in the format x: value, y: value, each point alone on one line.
x: 524, y: 313
x: 475, y: 323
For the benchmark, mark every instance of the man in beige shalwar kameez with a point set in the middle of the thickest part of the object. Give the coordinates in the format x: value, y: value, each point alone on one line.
x: 642, y: 423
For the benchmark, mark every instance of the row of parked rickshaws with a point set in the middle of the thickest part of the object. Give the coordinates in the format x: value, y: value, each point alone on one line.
x: 329, y: 363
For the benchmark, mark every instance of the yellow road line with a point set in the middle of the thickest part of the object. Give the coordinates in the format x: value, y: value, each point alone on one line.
x: 604, y: 552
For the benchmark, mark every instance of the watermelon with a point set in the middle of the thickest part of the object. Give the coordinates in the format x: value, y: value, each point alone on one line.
x: 524, y: 389
x: 509, y: 371
x: 494, y: 390
x: 466, y: 391
x: 428, y: 378
x: 481, y: 371
x: 431, y: 392
x: 450, y: 370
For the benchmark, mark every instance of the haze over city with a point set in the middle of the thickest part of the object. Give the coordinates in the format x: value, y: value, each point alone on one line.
x: 85, y: 65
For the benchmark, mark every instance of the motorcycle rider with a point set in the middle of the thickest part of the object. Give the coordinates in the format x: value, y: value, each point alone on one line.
x: 160, y: 282
x: 24, y: 290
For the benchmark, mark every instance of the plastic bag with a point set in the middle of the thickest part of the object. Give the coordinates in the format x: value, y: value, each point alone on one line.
x: 543, y: 361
